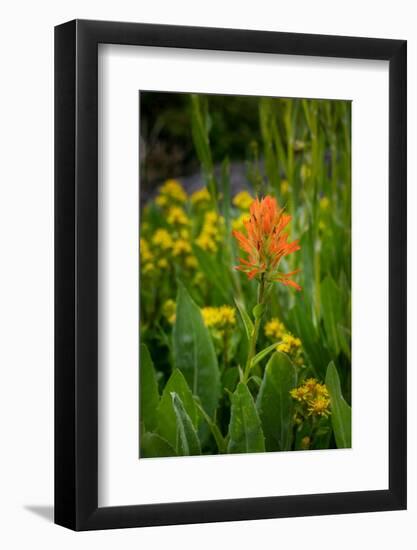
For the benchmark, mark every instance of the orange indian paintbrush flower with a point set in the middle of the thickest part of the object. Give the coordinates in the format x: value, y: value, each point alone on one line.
x: 266, y: 242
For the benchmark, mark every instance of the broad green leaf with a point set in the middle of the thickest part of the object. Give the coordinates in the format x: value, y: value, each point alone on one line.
x: 153, y: 445
x: 263, y: 353
x: 187, y: 443
x: 149, y: 396
x: 194, y: 352
x: 247, y: 321
x: 167, y: 420
x: 341, y: 412
x: 274, y: 402
x: 245, y: 430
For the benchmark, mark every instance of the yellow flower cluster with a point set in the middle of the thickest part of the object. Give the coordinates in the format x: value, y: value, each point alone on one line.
x: 171, y: 191
x: 289, y: 345
x: 169, y: 311
x: 147, y: 257
x: 243, y: 200
x: 162, y: 239
x: 177, y: 216
x: 181, y: 247
x: 200, y: 197
x: 239, y: 223
x: 210, y: 233
x: 222, y: 317
x: 284, y: 187
x: 324, y: 203
x: 314, y: 398
x: 274, y: 329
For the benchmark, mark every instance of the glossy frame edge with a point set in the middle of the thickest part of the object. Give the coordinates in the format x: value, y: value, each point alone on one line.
x: 76, y: 269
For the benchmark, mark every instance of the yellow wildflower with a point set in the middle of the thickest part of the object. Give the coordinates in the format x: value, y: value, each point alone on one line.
x: 324, y: 203
x: 163, y: 263
x: 201, y: 196
x: 314, y: 398
x: 285, y: 187
x: 191, y: 262
x: 210, y: 232
x: 243, y: 200
x: 206, y: 242
x: 145, y: 251
x: 177, y: 216
x: 289, y: 345
x: 162, y: 200
x: 274, y: 329
x: 181, y: 246
x: 300, y: 394
x: 148, y: 268
x: 169, y: 311
x: 219, y: 317
x: 163, y: 239
x: 305, y: 172
x: 319, y: 406
x: 173, y: 190
x: 238, y: 224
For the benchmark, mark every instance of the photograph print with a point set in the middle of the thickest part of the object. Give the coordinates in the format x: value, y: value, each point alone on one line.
x: 244, y: 274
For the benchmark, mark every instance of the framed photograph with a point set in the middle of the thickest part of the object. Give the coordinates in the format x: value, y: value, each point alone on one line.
x: 230, y: 252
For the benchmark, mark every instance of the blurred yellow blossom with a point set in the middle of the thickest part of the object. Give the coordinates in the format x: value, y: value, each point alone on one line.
x: 238, y: 224
x: 191, y: 262
x: 219, y: 317
x: 201, y: 196
x: 305, y: 172
x: 181, y: 246
x: 324, y: 203
x: 163, y: 263
x: 274, y: 329
x: 173, y: 190
x: 145, y: 251
x: 148, y: 268
x: 285, y: 187
x: 169, y: 311
x: 243, y: 200
x: 177, y: 216
x: 210, y: 232
x: 163, y: 239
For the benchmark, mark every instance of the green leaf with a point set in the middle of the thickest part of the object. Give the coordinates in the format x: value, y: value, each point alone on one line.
x: 247, y: 321
x: 215, y: 272
x: 187, y: 443
x: 218, y: 437
x: 167, y: 420
x: 263, y: 353
x: 153, y: 445
x: 258, y: 310
x: 149, y: 395
x: 194, y: 352
x: 332, y: 303
x: 245, y: 430
x: 274, y: 402
x: 341, y: 412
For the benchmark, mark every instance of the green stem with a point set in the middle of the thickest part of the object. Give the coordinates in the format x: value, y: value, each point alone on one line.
x: 255, y: 333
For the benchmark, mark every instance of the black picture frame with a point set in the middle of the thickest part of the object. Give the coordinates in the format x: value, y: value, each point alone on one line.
x: 76, y: 272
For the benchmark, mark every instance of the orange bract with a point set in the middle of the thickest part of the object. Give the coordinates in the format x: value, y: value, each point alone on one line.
x: 266, y: 242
